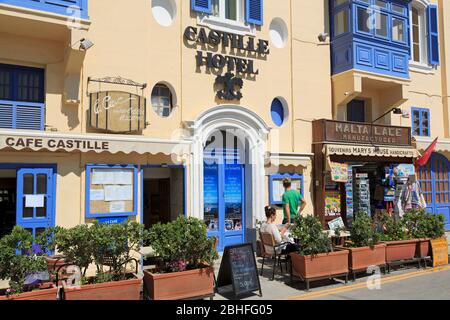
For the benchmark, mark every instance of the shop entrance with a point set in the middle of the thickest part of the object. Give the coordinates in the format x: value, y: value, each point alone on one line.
x: 26, y: 199
x: 224, y: 189
x: 8, y: 184
x: 163, y: 194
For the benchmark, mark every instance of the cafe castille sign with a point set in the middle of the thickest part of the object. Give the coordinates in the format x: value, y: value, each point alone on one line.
x: 235, y: 68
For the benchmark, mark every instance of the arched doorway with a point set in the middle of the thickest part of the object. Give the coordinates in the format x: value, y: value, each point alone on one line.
x: 435, y: 183
x: 228, y: 172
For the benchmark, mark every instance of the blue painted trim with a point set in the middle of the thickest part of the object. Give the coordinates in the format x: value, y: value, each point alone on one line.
x: 421, y: 112
x: 90, y: 215
x: 62, y: 7
x: 49, y: 169
x: 280, y: 176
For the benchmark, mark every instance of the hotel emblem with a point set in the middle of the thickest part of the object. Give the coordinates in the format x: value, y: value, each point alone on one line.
x: 230, y: 87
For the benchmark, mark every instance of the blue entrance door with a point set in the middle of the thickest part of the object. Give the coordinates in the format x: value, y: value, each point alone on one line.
x: 35, y: 199
x: 435, y: 183
x: 224, y: 204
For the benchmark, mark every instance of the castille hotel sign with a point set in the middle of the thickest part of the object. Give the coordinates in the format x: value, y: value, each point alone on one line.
x: 360, y: 133
x: 234, y: 67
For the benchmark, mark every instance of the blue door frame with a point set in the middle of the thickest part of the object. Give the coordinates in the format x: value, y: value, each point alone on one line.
x: 35, y: 220
x: 224, y: 189
x: 438, y: 169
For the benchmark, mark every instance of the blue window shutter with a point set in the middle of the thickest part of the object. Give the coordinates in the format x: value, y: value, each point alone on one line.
x: 6, y: 116
x: 29, y: 117
x: 203, y: 6
x: 433, y: 35
x: 254, y: 12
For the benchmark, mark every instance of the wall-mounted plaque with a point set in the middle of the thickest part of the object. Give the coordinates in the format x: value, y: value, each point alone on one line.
x: 117, y: 111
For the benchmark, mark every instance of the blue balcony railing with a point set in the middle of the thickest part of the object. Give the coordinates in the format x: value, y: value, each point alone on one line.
x: 22, y: 115
x: 75, y: 8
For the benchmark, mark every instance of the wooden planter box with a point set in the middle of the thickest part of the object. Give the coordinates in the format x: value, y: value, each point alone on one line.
x: 116, y: 290
x: 320, y: 266
x: 45, y: 294
x: 423, y: 248
x: 364, y: 257
x: 179, y: 285
x: 401, y: 250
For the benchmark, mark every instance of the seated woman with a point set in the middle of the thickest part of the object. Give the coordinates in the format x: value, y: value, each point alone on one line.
x: 279, y: 235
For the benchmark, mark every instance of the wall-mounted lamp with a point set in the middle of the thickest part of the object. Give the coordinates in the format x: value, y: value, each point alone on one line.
x: 323, y: 37
x: 86, y: 44
x: 397, y: 111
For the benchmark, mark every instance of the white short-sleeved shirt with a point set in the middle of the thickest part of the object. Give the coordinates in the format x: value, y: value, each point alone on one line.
x: 272, y: 229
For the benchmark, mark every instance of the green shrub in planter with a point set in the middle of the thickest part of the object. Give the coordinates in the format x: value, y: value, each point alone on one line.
x: 182, y: 244
x: 114, y: 245
x: 308, y: 232
x: 76, y: 244
x: 421, y: 224
x: 394, y: 229
x: 20, y: 258
x: 363, y: 231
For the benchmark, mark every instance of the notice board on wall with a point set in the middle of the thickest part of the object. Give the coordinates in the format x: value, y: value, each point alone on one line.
x: 111, y: 190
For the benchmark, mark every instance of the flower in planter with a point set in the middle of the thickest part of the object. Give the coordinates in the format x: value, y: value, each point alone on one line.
x: 178, y: 266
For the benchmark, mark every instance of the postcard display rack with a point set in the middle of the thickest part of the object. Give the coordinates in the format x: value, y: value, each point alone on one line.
x: 361, y: 191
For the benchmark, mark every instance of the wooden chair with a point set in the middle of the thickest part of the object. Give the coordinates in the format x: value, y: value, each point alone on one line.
x: 268, y: 240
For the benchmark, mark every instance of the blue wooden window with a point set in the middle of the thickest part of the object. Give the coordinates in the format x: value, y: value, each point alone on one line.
x: 356, y: 111
x: 22, y: 98
x: 101, y: 208
x: 254, y: 12
x: 433, y: 35
x: 277, y: 112
x: 420, y: 122
x: 203, y: 6
x: 275, y: 195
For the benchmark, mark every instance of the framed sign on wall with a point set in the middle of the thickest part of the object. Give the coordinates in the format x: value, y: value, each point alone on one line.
x: 276, y: 188
x: 111, y: 191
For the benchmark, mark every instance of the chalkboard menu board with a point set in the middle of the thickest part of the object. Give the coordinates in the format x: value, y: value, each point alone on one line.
x: 238, y: 268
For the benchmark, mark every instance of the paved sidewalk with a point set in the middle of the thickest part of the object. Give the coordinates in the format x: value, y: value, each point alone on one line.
x: 282, y: 289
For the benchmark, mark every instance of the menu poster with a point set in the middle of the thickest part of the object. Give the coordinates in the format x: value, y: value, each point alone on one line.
x: 117, y: 207
x: 118, y: 193
x: 112, y: 177
x: 339, y: 172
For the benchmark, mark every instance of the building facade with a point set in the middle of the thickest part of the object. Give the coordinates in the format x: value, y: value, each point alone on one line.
x: 200, y: 108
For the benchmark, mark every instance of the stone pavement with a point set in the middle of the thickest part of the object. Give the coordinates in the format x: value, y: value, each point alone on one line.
x: 282, y: 289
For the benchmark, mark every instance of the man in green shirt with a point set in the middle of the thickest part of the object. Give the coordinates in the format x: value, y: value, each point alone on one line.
x: 292, y: 199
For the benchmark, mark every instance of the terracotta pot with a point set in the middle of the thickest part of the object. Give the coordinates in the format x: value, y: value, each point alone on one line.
x: 179, y: 285
x: 401, y: 250
x: 364, y: 257
x: 46, y: 294
x: 115, y: 290
x: 423, y: 248
x: 321, y: 265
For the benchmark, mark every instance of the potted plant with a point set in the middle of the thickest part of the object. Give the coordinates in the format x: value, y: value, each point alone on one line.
x: 365, y: 249
x: 187, y: 257
x: 399, y: 245
x: 316, y: 258
x: 23, y: 263
x: 424, y: 227
x: 108, y: 246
